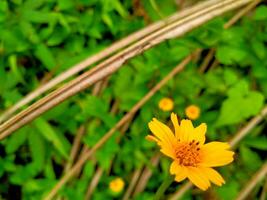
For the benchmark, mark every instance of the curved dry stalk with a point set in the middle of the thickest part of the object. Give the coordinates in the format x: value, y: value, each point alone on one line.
x: 101, y: 55
x: 94, y: 183
x: 126, y: 117
x: 144, y: 177
x: 133, y: 182
x: 206, y: 60
x: 99, y: 171
x: 75, y: 147
x: 264, y: 190
x: 115, y: 62
x: 260, y: 175
x: 240, y: 14
x: 246, y: 129
x: 179, y: 194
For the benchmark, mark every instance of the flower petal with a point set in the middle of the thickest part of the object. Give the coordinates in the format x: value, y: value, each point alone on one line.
x: 153, y: 139
x: 167, y: 151
x: 199, y: 134
x: 186, y: 129
x: 179, y: 171
x: 198, y: 178
x: 215, y: 154
x: 175, y: 125
x: 162, y: 131
x: 213, y: 176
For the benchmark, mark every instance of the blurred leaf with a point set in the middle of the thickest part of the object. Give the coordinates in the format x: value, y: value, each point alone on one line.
x: 261, y: 13
x: 16, y: 140
x: 240, y: 104
x: 23, y: 174
x: 258, y: 142
x: 50, y: 135
x: 250, y: 159
x: 230, y: 54
x: 37, y: 148
x: 229, y: 190
x: 45, y: 56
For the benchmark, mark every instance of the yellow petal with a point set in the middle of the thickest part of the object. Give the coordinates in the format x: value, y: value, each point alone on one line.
x: 213, y: 176
x: 186, y: 129
x: 175, y: 125
x: 167, y: 151
x: 152, y: 139
x: 215, y: 154
x: 199, y: 134
x: 162, y: 131
x: 211, y: 146
x: 179, y: 171
x: 217, y: 160
x: 198, y: 178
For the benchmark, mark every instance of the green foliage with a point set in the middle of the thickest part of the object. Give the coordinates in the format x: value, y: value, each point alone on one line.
x: 237, y: 107
x: 41, y: 39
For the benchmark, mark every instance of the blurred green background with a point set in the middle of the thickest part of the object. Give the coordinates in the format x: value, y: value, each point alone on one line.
x: 40, y: 39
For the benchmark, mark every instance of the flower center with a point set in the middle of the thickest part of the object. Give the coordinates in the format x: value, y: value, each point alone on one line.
x: 187, y: 153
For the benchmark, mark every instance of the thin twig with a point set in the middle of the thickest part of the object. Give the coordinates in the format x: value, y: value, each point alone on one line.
x: 207, y: 60
x: 75, y: 147
x: 260, y: 175
x: 264, y: 190
x: 240, y: 14
x: 94, y: 183
x: 101, y: 55
x: 179, y: 194
x: 145, y: 176
x: 133, y: 182
x: 249, y: 126
x: 115, y: 62
x: 102, y: 141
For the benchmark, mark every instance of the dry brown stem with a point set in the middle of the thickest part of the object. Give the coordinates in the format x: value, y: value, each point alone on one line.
x: 94, y: 183
x: 146, y: 174
x: 132, y: 184
x: 115, y: 62
x: 260, y: 175
x: 101, y: 55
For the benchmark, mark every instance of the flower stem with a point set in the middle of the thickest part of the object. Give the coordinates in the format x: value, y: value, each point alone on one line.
x: 163, y: 187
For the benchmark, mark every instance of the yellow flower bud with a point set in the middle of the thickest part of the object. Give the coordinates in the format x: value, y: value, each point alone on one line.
x: 166, y: 104
x: 192, y: 112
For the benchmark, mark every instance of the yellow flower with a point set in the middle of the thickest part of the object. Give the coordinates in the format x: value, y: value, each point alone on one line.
x: 192, y: 158
x: 116, y: 185
x: 166, y: 104
x: 192, y: 112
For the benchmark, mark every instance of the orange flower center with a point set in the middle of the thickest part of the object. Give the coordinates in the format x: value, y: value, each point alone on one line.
x: 187, y: 153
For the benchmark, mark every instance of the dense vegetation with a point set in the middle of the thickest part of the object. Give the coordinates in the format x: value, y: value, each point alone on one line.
x: 41, y: 39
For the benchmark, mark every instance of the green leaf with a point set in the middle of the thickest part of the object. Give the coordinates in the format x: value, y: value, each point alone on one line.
x: 50, y: 135
x: 259, y: 142
x: 261, y: 13
x: 65, y: 4
x: 15, y: 141
x: 107, y: 152
x: 259, y: 48
x: 250, y: 158
x: 230, y: 54
x: 229, y: 190
x: 38, y: 16
x: 230, y: 77
x: 23, y: 174
x: 37, y: 148
x: 45, y: 56
x: 240, y: 104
